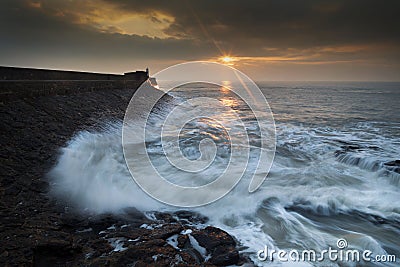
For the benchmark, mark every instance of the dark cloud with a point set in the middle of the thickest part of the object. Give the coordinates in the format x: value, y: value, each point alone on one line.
x: 278, y: 23
x: 52, y: 33
x: 31, y: 36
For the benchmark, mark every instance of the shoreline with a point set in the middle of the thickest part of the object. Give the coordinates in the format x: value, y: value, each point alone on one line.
x: 37, y: 230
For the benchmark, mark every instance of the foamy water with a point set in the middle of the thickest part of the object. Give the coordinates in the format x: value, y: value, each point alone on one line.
x: 328, y: 180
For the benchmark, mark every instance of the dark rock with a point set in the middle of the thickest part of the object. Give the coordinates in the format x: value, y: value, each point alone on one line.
x: 166, y: 231
x: 54, y: 252
x: 164, y: 217
x: 219, y: 244
x: 39, y: 186
x: 74, y: 220
x: 37, y: 230
x: 347, y: 148
x: 212, y: 237
x: 183, y: 241
x: 191, y: 216
x: 147, y: 252
x: 132, y: 214
x: 351, y: 147
x: 394, y: 163
x: 224, y: 255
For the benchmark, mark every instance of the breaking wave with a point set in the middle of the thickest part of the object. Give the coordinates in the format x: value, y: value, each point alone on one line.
x: 325, y: 183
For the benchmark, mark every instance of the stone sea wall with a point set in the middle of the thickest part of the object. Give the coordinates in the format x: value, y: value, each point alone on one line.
x: 26, y: 82
x: 38, y: 230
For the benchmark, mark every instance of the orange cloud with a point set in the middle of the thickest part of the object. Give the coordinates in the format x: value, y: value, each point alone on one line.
x: 106, y: 17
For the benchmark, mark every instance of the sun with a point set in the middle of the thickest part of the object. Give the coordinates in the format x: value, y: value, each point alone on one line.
x: 227, y: 60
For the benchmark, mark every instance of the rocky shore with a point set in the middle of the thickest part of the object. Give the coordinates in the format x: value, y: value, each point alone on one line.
x: 37, y: 230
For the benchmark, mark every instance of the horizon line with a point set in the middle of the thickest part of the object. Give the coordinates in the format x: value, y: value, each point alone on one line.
x: 255, y: 80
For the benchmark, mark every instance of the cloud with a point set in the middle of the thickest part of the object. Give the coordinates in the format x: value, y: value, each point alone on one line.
x: 105, y: 17
x: 37, y: 37
x: 271, y: 23
x: 118, y: 35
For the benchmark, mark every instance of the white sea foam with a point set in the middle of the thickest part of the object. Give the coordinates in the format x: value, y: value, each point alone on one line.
x: 311, y: 197
x: 91, y: 173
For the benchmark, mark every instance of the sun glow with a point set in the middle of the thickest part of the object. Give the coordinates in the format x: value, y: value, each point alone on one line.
x: 227, y: 60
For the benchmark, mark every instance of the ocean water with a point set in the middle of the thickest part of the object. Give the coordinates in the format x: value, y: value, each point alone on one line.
x: 330, y: 177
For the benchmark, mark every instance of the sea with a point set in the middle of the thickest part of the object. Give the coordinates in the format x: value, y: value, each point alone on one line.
x: 334, y: 182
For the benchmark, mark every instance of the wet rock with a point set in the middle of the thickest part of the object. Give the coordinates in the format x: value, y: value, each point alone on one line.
x: 183, y: 241
x: 190, y: 216
x: 351, y: 147
x: 394, y: 163
x: 224, y: 255
x: 212, y: 237
x: 39, y: 186
x: 347, y: 148
x: 133, y: 215
x: 219, y: 244
x: 166, y: 231
x: 37, y: 230
x: 73, y: 220
x: 164, y: 217
x: 54, y: 252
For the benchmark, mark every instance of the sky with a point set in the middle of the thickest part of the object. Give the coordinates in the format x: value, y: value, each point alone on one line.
x: 280, y: 40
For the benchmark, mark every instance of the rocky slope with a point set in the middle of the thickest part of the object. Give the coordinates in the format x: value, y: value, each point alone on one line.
x: 37, y: 230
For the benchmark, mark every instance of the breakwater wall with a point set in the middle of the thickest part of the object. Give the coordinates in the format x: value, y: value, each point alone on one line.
x: 27, y: 82
x: 39, y: 230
